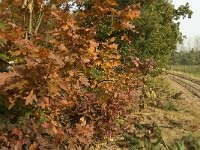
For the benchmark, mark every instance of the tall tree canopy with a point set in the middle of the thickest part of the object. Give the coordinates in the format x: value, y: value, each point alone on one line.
x: 158, y: 29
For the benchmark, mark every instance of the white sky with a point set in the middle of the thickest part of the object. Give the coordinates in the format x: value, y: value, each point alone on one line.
x: 190, y: 27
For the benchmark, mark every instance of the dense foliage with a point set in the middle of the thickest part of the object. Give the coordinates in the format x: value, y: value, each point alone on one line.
x: 68, y: 85
x: 75, y: 72
x: 158, y: 32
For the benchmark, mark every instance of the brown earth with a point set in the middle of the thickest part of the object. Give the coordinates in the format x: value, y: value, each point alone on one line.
x: 182, y: 116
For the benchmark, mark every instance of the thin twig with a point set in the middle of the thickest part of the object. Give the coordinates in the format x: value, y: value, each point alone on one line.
x: 39, y: 22
x: 30, y: 7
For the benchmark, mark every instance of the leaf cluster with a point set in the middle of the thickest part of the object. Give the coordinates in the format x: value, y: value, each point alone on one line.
x: 65, y: 81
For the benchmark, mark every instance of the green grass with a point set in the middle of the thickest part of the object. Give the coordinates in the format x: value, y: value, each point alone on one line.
x: 190, y: 70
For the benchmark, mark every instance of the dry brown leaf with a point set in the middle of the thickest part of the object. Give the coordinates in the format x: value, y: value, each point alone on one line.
x: 29, y: 99
x: 84, y: 80
x: 85, y: 60
x: 57, y: 59
x: 62, y: 47
x: 6, y: 76
x: 33, y: 146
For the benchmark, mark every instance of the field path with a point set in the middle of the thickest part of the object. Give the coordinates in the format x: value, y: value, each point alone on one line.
x: 187, y: 84
x: 187, y: 118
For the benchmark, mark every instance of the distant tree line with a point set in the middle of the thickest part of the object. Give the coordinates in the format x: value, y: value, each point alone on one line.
x: 191, y: 57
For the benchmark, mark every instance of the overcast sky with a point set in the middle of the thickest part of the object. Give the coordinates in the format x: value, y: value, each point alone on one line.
x: 190, y: 27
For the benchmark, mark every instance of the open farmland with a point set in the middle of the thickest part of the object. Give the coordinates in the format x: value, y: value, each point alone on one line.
x: 190, y: 70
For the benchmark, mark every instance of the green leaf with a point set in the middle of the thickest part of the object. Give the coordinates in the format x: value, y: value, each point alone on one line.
x: 2, y: 26
x: 5, y: 57
x: 97, y: 74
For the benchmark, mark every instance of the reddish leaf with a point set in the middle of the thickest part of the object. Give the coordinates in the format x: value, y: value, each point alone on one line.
x: 46, y: 125
x: 17, y: 132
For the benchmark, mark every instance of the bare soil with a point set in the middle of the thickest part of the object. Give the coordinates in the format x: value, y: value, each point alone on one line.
x: 186, y: 119
x: 190, y: 84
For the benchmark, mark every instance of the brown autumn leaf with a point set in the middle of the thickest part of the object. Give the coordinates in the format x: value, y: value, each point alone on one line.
x: 29, y: 99
x: 57, y: 59
x: 62, y: 47
x: 128, y: 25
x: 52, y: 41
x: 18, y: 85
x: 13, y: 25
x: 30, y: 62
x: 85, y: 60
x: 41, y: 141
x: 133, y: 14
x: 33, y: 146
x: 94, y: 44
x: 113, y: 46
x: 63, y: 84
x: 84, y: 80
x: 111, y: 3
x: 18, y: 145
x: 69, y: 104
x: 72, y: 25
x: 53, y: 88
x: 6, y: 76
x: 56, y: 15
x: 24, y: 43
x: 98, y: 62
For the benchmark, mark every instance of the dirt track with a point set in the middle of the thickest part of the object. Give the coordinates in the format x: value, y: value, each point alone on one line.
x: 190, y: 84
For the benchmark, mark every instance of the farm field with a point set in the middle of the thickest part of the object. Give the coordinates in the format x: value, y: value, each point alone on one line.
x: 189, y: 70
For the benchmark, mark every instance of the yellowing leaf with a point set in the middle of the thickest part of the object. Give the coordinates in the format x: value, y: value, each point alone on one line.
x: 83, y: 121
x: 65, y: 27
